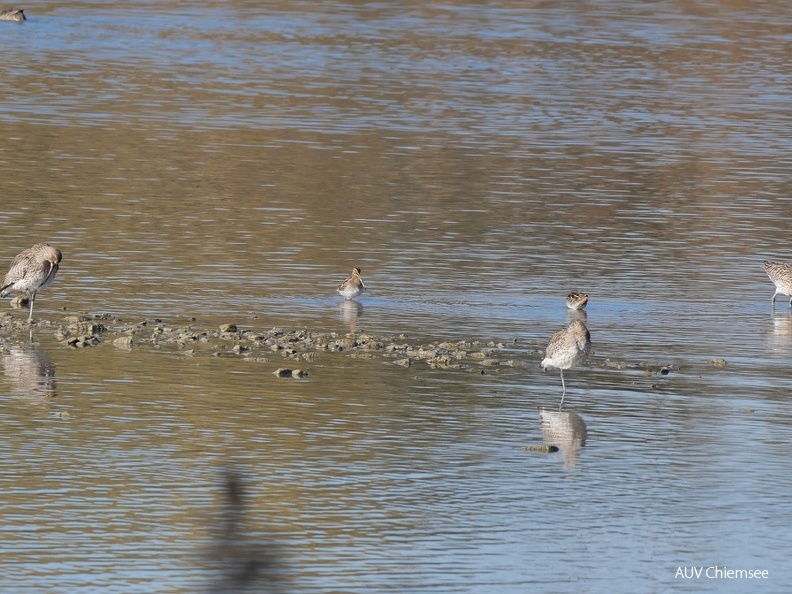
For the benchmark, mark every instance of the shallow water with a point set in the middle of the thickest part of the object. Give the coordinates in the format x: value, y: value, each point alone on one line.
x: 230, y: 163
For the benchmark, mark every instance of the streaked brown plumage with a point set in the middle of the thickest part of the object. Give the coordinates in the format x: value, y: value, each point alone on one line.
x: 13, y: 14
x: 353, y: 286
x: 576, y: 300
x: 567, y: 348
x: 32, y: 270
x: 781, y: 275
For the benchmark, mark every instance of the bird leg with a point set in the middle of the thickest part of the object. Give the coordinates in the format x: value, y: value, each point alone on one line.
x: 563, y: 390
x: 31, y: 299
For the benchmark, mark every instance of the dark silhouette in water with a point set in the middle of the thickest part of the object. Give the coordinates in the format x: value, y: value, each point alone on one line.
x: 244, y: 565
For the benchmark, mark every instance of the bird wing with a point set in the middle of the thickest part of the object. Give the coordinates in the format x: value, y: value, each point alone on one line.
x: 19, y: 269
x: 556, y: 344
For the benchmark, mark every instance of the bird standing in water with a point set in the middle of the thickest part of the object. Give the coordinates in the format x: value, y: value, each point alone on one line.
x: 353, y: 286
x: 781, y: 275
x: 576, y: 300
x: 32, y: 270
x: 13, y: 14
x: 567, y: 348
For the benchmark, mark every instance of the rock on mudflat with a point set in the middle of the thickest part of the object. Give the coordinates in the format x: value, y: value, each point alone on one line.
x: 286, y: 372
x: 123, y: 342
x: 87, y: 328
x: 19, y: 302
x: 82, y: 341
x: 543, y: 449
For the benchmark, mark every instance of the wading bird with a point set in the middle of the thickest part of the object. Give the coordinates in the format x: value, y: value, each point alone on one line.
x: 32, y: 270
x: 576, y: 300
x: 567, y: 348
x: 353, y: 286
x: 781, y: 275
x: 13, y: 14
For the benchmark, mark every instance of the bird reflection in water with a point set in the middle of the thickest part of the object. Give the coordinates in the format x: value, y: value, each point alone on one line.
x: 564, y: 430
x: 29, y: 371
x: 577, y: 314
x: 241, y: 563
x: 780, y: 332
x: 350, y: 312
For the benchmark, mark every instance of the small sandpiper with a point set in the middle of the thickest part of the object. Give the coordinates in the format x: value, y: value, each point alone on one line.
x: 32, y: 270
x: 353, y: 286
x: 13, y: 14
x: 576, y: 300
x: 567, y: 348
x: 781, y: 275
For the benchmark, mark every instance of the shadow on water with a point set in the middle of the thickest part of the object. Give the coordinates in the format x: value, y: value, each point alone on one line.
x: 240, y: 562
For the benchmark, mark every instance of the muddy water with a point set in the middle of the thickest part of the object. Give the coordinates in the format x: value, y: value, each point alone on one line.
x: 230, y: 163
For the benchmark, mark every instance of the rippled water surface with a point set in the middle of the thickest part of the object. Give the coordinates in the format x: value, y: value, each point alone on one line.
x: 230, y: 162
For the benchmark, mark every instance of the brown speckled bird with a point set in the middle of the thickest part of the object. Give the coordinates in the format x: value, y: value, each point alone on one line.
x: 353, y: 286
x: 781, y: 275
x: 576, y: 300
x: 32, y: 270
x: 13, y: 14
x: 567, y: 348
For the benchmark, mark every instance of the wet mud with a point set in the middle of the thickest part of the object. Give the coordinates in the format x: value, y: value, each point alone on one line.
x: 290, y: 352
